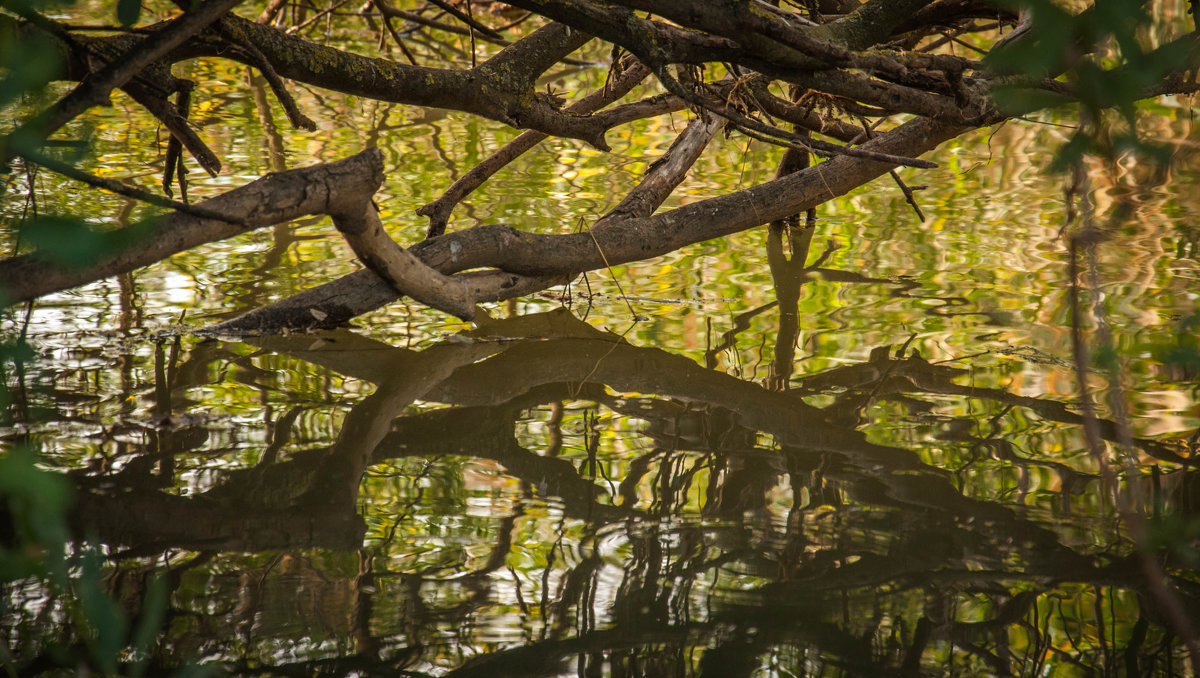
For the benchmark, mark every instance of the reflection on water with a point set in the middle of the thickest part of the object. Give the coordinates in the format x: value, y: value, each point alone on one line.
x: 863, y: 459
x: 540, y: 497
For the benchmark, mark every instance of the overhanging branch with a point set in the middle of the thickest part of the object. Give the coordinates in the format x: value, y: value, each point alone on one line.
x: 523, y: 258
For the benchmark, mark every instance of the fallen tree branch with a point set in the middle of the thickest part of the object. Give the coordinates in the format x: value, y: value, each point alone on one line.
x: 334, y: 188
x: 404, y: 272
x: 523, y: 257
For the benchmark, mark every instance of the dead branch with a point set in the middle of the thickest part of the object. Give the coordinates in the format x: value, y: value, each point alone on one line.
x: 334, y: 188
x: 666, y: 173
x: 522, y: 255
x: 176, y: 123
x: 404, y: 272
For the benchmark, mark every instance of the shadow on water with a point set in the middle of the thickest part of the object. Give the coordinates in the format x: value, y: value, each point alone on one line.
x: 539, y: 497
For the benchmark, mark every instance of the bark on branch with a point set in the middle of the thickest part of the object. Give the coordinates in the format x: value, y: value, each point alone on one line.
x: 404, y: 272
x: 335, y: 188
x: 500, y: 89
x: 528, y: 259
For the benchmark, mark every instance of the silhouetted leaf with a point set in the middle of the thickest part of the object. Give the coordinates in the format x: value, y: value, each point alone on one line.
x: 128, y: 11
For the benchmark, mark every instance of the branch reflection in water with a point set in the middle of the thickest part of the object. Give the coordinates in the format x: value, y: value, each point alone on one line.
x: 539, y: 497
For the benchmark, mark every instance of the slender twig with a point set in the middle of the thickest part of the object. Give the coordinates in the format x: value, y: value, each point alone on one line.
x: 909, y: 193
x: 260, y: 61
x: 314, y: 18
x: 175, y: 146
x: 387, y: 23
x: 59, y: 167
x: 271, y: 10
x: 465, y: 18
x: 613, y: 275
x: 773, y: 135
x: 439, y: 210
x: 387, y: 10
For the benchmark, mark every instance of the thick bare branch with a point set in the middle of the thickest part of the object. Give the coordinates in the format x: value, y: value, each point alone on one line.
x: 404, y: 272
x: 335, y: 188
x: 651, y: 41
x: 873, y: 22
x: 499, y: 89
x: 524, y: 255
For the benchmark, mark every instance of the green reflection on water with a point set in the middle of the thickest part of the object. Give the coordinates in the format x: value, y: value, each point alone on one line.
x: 900, y: 488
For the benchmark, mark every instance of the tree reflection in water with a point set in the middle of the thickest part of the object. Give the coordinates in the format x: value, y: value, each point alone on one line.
x: 538, y: 497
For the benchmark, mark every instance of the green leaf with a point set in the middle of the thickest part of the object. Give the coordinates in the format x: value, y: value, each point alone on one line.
x: 103, y: 616
x: 37, y: 501
x: 1025, y: 100
x: 18, y: 351
x: 149, y: 623
x: 1106, y: 358
x: 29, y: 64
x: 71, y: 243
x: 1081, y: 143
x: 66, y: 241
x: 1044, y: 49
x: 1175, y: 534
x: 128, y: 11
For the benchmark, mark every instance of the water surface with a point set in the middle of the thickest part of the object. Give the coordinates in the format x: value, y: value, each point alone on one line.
x: 854, y: 451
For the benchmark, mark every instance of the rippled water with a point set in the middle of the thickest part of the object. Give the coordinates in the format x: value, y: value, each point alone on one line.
x: 865, y: 460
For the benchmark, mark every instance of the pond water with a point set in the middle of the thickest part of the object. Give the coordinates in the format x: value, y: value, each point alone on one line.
x: 851, y: 451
